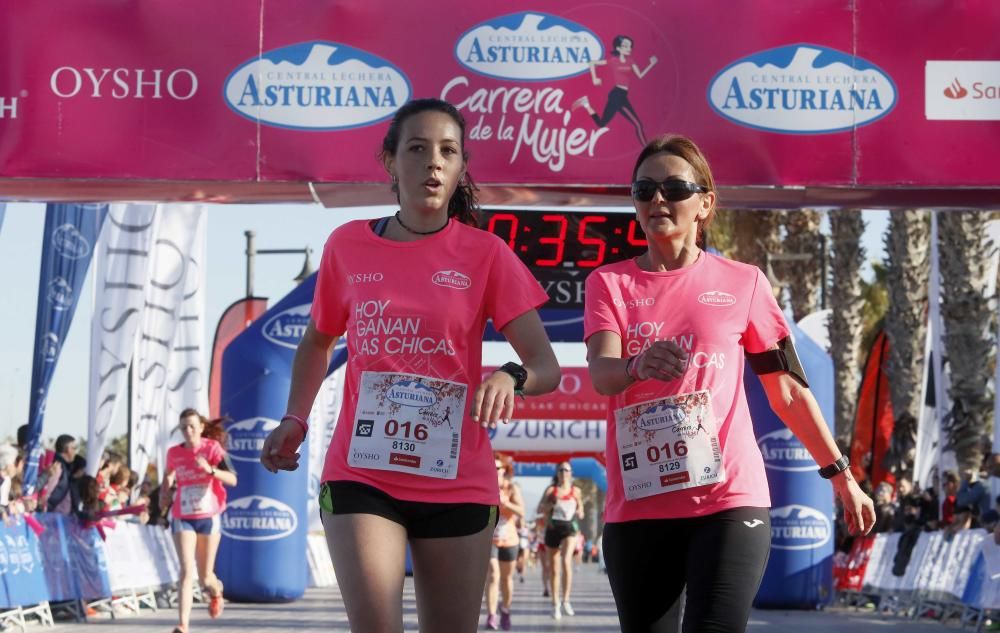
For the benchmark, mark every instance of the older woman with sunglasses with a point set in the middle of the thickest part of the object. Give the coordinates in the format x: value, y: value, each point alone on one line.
x: 667, y: 333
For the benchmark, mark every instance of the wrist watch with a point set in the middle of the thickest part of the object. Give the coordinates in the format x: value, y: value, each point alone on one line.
x: 518, y: 373
x: 835, y: 468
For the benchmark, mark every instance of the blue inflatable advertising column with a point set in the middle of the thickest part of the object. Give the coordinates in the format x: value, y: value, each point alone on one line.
x: 799, y: 573
x: 264, y: 527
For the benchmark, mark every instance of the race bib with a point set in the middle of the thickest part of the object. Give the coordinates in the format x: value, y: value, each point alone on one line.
x: 408, y: 423
x: 198, y: 499
x: 668, y: 444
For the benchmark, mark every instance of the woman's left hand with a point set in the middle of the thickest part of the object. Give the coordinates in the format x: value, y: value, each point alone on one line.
x: 204, y: 465
x: 859, y: 510
x: 494, y: 400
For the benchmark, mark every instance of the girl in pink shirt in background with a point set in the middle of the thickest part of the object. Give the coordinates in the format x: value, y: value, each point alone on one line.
x: 667, y: 333
x: 196, y: 472
x: 410, y: 461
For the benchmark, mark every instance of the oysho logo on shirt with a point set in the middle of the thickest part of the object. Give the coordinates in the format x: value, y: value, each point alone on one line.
x: 528, y: 46
x: 635, y: 303
x: 317, y: 86
x: 798, y: 527
x: 452, y: 279
x: 364, y: 278
x: 287, y: 327
x: 717, y: 298
x: 802, y: 89
x: 246, y: 437
x: 258, y: 518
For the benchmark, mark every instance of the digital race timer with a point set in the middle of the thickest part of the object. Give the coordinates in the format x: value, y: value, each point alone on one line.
x: 562, y: 247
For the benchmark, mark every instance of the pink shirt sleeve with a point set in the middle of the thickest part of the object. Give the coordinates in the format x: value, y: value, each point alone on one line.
x: 329, y: 309
x: 217, y: 453
x: 765, y: 322
x: 511, y: 289
x: 599, y: 310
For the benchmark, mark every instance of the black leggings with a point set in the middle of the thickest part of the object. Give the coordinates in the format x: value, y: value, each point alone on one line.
x: 618, y: 102
x: 720, y: 558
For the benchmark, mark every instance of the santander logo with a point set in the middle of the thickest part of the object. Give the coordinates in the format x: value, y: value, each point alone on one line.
x: 716, y: 298
x: 955, y: 90
x: 452, y: 279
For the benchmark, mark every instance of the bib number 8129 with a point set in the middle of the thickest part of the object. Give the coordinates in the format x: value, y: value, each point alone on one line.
x: 655, y: 453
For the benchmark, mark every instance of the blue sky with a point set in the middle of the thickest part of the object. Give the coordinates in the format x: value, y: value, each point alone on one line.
x: 276, y: 226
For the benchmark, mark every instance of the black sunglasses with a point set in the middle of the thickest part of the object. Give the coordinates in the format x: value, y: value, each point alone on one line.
x: 673, y: 190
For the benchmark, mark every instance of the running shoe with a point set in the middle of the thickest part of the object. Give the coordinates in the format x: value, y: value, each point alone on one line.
x: 568, y: 608
x: 492, y: 622
x: 215, y: 602
x: 557, y: 612
x: 505, y: 620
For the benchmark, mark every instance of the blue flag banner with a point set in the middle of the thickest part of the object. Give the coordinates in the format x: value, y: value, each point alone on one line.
x: 70, y: 234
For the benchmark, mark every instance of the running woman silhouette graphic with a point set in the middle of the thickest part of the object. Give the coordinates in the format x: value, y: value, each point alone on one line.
x: 622, y: 69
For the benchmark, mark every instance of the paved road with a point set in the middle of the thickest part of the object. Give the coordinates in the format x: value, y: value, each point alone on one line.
x: 322, y: 611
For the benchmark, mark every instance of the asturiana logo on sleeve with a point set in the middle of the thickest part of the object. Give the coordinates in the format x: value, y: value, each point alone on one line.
x: 258, y: 518
x: 802, y: 89
x: 287, y: 327
x: 317, y: 86
x: 246, y: 437
x: 798, y: 527
x: 528, y: 46
x: 783, y: 451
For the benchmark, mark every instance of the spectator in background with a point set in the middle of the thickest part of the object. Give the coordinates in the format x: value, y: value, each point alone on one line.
x: 930, y: 516
x: 949, y: 487
x: 973, y: 493
x: 8, y: 470
x: 885, y: 509
x: 47, y: 457
x: 58, y: 494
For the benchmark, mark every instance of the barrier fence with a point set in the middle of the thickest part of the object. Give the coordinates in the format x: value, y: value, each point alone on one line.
x: 929, y: 574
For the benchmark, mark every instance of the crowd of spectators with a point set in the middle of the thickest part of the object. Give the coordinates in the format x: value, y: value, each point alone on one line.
x: 115, y: 493
x: 953, y: 502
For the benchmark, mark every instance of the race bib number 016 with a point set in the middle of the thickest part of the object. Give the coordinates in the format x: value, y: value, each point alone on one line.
x: 668, y: 444
x: 408, y: 423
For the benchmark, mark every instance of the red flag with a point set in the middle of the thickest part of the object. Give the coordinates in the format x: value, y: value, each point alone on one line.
x: 234, y: 320
x: 873, y: 421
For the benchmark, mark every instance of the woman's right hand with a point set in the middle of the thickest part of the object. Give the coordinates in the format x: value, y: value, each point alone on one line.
x: 281, y: 446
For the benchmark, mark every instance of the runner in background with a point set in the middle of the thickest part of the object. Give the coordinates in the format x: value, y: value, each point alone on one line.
x: 542, y: 555
x: 666, y: 334
x: 504, y: 553
x: 411, y: 461
x: 197, y: 470
x: 562, y: 504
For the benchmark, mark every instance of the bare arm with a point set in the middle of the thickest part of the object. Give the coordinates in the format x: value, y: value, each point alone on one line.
x: 515, y: 503
x: 794, y: 403
x: 579, y: 502
x: 545, y: 505
x: 642, y: 73
x: 593, y: 70
x: 494, y: 398
x: 312, y: 358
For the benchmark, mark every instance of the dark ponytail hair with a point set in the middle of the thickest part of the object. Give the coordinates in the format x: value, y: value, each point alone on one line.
x: 464, y: 202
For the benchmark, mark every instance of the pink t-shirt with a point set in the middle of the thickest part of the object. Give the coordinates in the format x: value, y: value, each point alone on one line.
x: 199, y: 495
x: 417, y: 308
x: 714, y: 309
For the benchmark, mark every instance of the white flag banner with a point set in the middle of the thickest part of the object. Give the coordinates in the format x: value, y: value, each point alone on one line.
x: 322, y: 421
x: 942, y: 403
x: 122, y: 258
x: 187, y: 369
x: 928, y: 427
x: 176, y: 229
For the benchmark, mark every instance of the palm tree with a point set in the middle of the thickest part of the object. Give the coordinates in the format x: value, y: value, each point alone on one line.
x: 908, y: 249
x: 803, y: 278
x: 756, y: 234
x: 845, y: 324
x: 967, y: 318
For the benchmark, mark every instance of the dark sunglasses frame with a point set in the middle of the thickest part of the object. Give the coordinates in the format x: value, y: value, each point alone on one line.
x: 673, y: 190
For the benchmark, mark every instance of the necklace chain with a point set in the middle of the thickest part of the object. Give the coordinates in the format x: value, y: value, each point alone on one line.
x: 400, y: 220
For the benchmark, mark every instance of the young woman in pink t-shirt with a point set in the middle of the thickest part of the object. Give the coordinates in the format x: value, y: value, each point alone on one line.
x: 667, y: 333
x: 196, y: 472
x: 410, y: 461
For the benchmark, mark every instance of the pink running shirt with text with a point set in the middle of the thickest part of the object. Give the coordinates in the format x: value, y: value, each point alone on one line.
x: 714, y: 309
x: 446, y: 286
x: 184, y: 461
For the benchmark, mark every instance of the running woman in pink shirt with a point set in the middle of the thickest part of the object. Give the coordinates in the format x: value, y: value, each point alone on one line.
x: 667, y: 333
x: 410, y: 461
x: 197, y: 470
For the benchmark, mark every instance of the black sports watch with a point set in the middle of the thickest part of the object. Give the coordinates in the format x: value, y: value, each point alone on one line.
x: 835, y: 468
x: 518, y: 373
